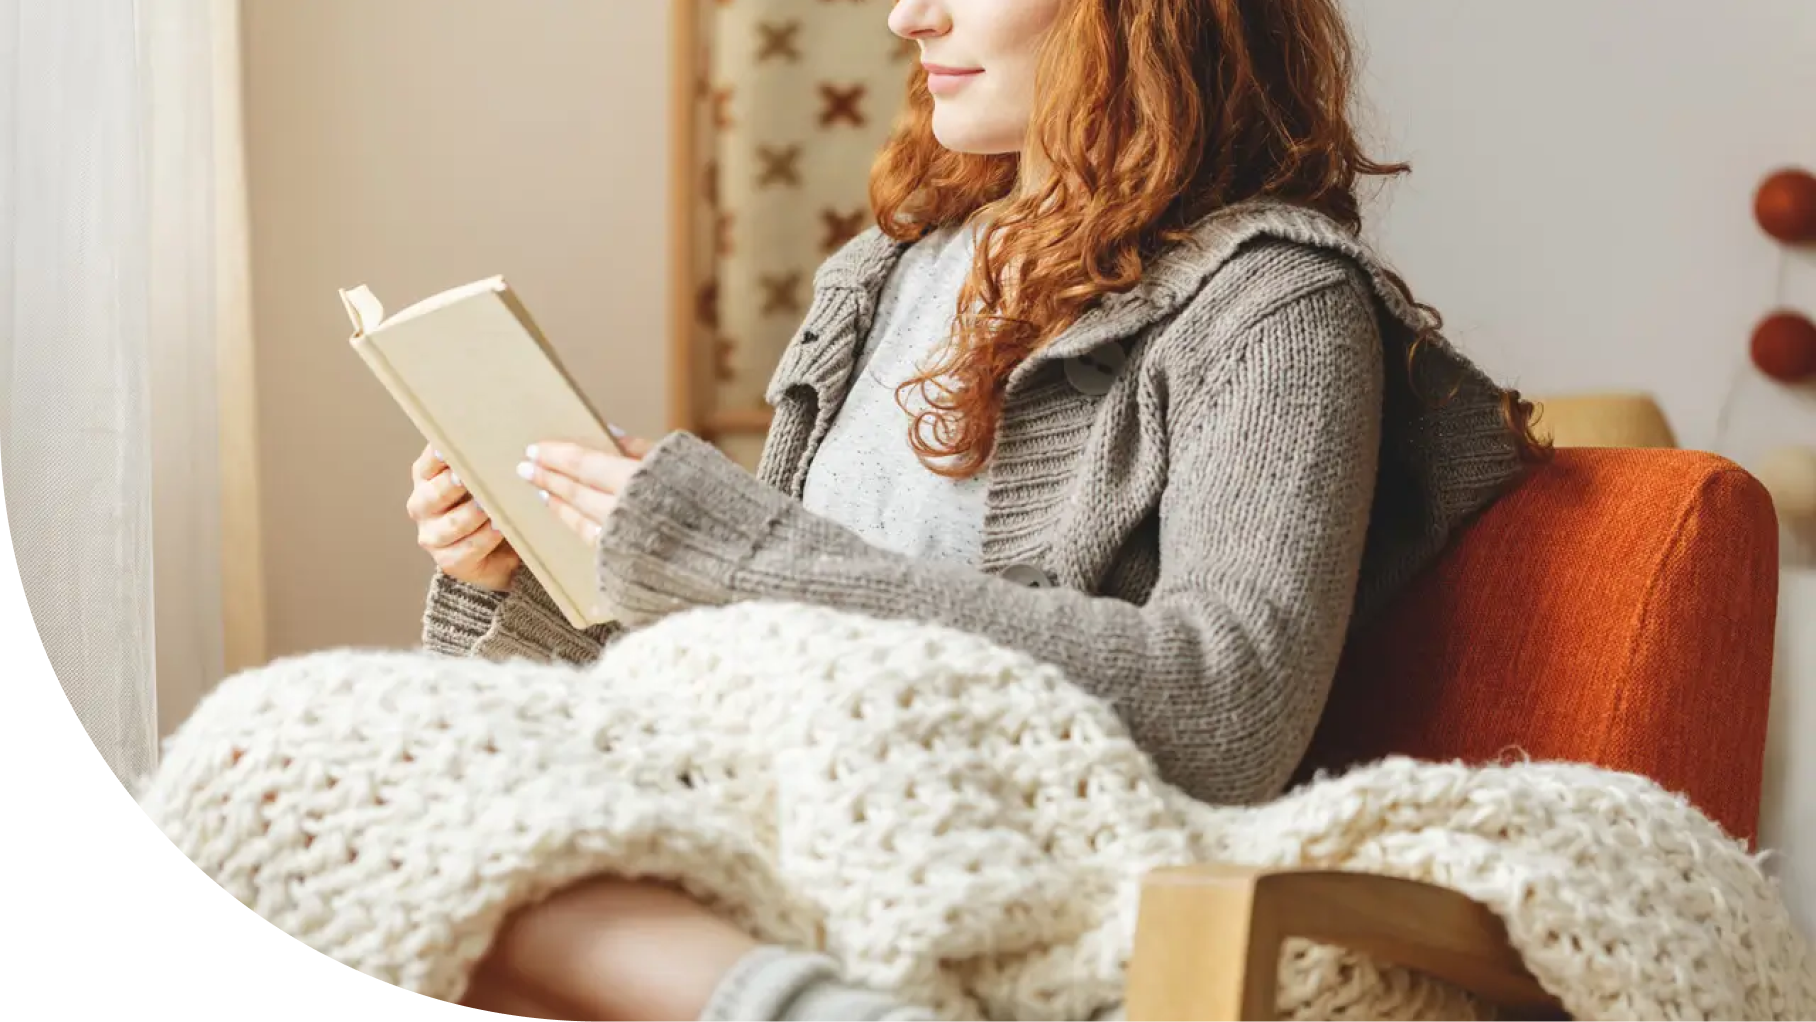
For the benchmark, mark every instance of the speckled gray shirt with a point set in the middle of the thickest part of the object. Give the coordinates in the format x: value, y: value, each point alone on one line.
x: 866, y: 475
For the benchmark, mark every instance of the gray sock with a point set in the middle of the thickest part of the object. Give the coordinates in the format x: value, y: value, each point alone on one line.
x: 773, y: 984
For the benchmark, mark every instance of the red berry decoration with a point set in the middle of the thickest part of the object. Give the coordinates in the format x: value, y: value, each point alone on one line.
x: 1784, y: 347
x: 1785, y: 206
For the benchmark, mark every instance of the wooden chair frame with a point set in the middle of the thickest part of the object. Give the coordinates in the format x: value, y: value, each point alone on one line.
x: 1209, y: 939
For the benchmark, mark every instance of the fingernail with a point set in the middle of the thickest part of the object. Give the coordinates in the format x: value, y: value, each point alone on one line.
x: 439, y: 458
x: 616, y: 430
x: 454, y: 476
x: 525, y: 470
x: 530, y: 452
x: 544, y: 494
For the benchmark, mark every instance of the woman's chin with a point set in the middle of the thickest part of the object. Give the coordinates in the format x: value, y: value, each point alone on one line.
x: 963, y: 134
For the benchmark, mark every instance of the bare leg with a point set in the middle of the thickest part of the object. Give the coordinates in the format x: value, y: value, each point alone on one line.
x: 493, y: 992
x: 610, y: 949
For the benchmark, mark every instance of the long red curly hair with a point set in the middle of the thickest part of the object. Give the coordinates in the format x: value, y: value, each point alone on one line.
x: 1193, y: 105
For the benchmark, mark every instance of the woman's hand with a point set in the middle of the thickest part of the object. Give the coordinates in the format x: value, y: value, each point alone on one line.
x: 455, y: 530
x: 581, y: 484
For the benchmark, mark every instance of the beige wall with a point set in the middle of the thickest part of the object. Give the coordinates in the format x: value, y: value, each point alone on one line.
x: 414, y: 145
x: 1580, y: 206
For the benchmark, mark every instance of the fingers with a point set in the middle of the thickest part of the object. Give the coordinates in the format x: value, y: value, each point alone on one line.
x: 434, y: 496
x: 601, y: 470
x: 584, y: 478
x: 426, y: 464
x: 585, y: 526
x: 470, y: 552
x: 457, y: 524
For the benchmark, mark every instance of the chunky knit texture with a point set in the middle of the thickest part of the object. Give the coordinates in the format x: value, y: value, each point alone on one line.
x: 1208, y: 516
x: 953, y: 822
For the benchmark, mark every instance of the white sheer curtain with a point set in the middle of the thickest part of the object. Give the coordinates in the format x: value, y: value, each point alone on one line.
x: 106, y: 346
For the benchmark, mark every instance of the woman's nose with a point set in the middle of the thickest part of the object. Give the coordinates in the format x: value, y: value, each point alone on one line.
x: 919, y: 19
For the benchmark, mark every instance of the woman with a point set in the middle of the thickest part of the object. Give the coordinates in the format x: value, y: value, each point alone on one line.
x: 1189, y: 434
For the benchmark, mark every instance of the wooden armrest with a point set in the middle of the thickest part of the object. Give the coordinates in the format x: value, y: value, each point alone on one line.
x: 1209, y: 939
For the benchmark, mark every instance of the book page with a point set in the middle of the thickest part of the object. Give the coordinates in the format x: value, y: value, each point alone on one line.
x: 363, y: 308
x: 434, y: 303
x: 368, y: 313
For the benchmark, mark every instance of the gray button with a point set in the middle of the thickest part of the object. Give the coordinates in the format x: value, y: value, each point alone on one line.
x: 1094, y: 371
x: 1028, y: 575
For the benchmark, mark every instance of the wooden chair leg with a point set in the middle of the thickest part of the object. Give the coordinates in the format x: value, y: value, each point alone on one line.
x: 1209, y: 939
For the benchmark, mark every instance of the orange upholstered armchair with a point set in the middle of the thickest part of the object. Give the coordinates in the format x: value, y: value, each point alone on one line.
x: 1617, y: 609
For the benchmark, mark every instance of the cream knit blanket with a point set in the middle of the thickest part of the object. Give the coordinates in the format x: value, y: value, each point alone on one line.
x: 950, y: 820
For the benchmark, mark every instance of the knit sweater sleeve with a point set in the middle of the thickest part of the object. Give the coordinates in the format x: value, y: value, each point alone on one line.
x: 465, y: 620
x: 1222, y: 674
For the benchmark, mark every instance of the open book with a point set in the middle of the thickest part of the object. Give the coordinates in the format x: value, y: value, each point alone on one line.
x: 474, y: 373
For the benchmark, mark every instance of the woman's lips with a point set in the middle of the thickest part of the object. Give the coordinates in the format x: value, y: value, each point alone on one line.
x: 944, y: 81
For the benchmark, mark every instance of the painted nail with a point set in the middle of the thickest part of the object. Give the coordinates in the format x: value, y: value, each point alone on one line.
x: 616, y: 430
x: 544, y: 494
x: 530, y: 452
x: 525, y: 470
x: 439, y: 458
x: 454, y: 477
